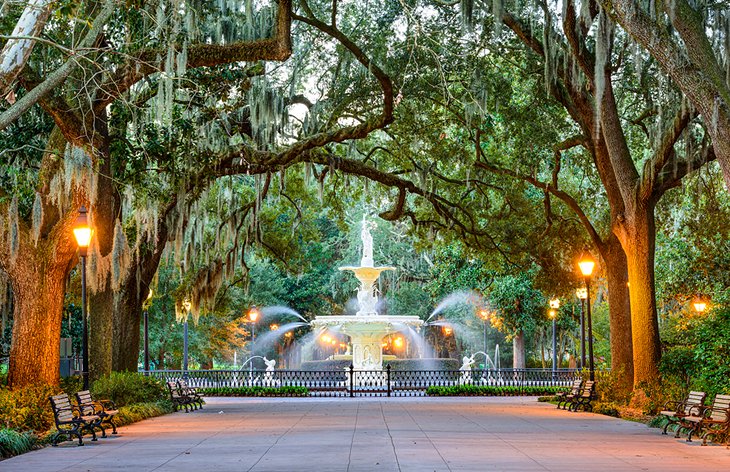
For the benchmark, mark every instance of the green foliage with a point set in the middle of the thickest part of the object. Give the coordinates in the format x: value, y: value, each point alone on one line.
x: 27, y: 409
x: 607, y: 408
x: 712, y: 352
x: 125, y: 388
x: 13, y: 442
x: 285, y: 391
x: 140, y: 411
x: 489, y: 390
x: 519, y: 305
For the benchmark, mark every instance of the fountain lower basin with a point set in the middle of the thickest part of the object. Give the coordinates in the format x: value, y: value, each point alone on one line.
x: 366, y: 334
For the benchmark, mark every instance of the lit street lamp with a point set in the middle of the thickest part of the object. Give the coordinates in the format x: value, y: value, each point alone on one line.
x: 554, y: 305
x: 699, y: 304
x: 83, y: 232
x: 187, y: 306
x: 253, y: 315
x: 485, y: 316
x: 586, y: 264
x: 146, y: 307
x: 582, y: 294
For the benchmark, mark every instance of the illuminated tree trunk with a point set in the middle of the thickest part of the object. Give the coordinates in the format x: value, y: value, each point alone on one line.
x: 518, y: 350
x: 39, y: 294
x: 638, y: 238
x: 619, y: 308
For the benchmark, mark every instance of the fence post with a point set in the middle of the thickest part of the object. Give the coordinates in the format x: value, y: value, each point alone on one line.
x: 352, y: 380
x: 387, y: 369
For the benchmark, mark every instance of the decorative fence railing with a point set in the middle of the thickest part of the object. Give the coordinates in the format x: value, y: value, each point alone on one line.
x: 351, y: 382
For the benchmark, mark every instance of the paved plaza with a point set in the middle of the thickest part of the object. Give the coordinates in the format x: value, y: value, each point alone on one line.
x: 380, y: 434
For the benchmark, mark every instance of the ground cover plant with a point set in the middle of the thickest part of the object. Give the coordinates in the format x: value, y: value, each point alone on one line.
x: 26, y: 419
x: 490, y: 390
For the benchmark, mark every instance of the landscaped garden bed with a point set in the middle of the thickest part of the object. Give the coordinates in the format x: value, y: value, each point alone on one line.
x: 490, y: 391
x: 286, y: 391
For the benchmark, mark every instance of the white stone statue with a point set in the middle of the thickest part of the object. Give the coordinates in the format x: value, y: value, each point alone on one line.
x: 465, y: 369
x: 367, y: 244
x: 269, y: 380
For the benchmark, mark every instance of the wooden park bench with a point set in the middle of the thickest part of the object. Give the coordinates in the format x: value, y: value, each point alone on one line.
x: 585, y: 398
x: 714, y: 421
x: 177, y: 397
x: 104, y: 409
x: 196, y: 399
x: 70, y: 421
x: 674, y: 411
x: 566, y: 397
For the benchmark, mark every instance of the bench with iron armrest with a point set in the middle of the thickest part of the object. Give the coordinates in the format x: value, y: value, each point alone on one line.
x: 714, y: 421
x: 585, y: 398
x: 192, y: 393
x: 567, y: 397
x: 674, y: 411
x: 177, y: 397
x: 104, y: 409
x: 70, y: 421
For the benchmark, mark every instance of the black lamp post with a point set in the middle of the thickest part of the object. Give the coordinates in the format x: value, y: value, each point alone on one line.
x: 582, y: 294
x: 187, y: 306
x: 146, y: 334
x: 586, y: 265
x: 253, y: 315
x: 484, y: 315
x: 82, y: 232
x: 554, y: 305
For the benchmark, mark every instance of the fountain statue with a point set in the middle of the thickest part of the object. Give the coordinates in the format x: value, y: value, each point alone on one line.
x: 367, y: 328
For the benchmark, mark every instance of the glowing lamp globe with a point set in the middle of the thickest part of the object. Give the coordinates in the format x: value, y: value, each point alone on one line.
x: 82, y: 230
x: 586, y: 264
x: 253, y: 314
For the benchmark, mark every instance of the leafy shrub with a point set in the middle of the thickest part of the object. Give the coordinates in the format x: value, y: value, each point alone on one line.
x: 490, y: 390
x: 27, y: 408
x: 285, y: 391
x: 608, y: 409
x: 125, y: 388
x: 141, y: 411
x: 712, y: 352
x: 13, y: 442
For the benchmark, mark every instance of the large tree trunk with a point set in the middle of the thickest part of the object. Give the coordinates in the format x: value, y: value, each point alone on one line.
x: 638, y: 236
x: 105, y: 209
x: 35, y: 352
x: 127, y: 318
x: 518, y: 350
x: 619, y: 309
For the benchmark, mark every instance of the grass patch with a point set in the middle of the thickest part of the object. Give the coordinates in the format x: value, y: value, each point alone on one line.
x: 14, y: 442
x: 286, y: 391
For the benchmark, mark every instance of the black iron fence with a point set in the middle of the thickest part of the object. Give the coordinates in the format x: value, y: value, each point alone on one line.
x: 351, y: 382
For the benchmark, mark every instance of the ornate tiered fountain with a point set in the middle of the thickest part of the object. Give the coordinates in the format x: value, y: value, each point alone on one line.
x: 367, y: 327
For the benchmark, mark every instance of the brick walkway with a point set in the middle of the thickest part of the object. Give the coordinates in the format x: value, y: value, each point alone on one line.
x: 371, y: 434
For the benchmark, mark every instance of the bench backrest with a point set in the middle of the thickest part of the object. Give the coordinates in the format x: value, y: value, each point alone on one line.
x: 62, y: 409
x: 83, y: 398
x: 575, y: 389
x: 694, y: 399
x: 174, y: 389
x: 720, y: 407
x: 588, y: 389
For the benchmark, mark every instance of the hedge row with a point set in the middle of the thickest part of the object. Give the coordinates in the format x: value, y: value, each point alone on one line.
x: 286, y: 391
x: 489, y: 390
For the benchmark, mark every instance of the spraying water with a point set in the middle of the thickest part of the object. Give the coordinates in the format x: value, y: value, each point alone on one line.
x: 454, y: 299
x: 281, y: 310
